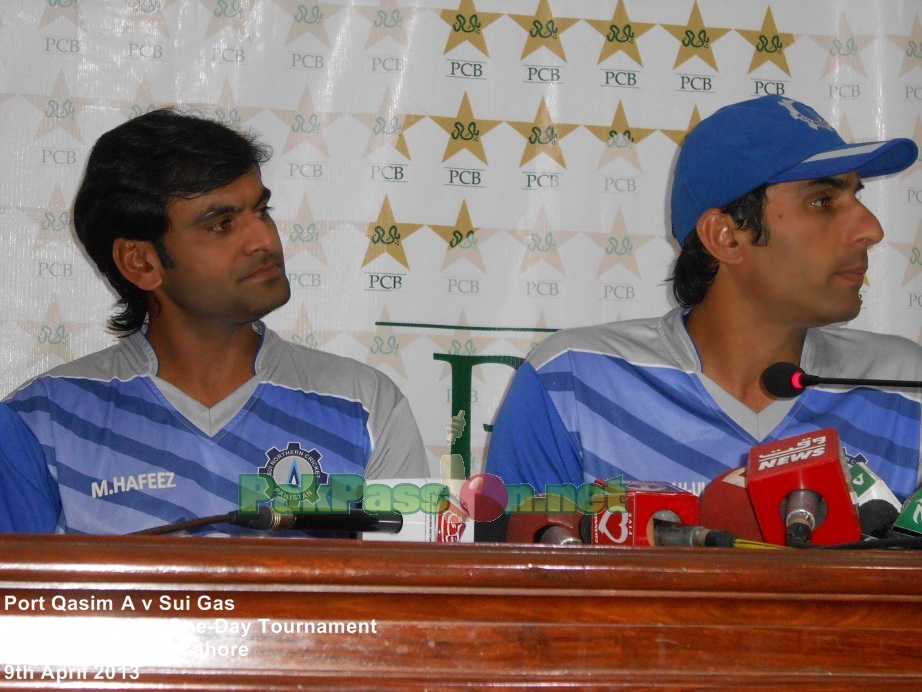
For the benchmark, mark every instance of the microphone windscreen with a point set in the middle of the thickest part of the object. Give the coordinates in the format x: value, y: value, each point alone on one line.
x: 779, y: 380
x: 725, y: 505
x: 877, y: 518
x: 529, y: 526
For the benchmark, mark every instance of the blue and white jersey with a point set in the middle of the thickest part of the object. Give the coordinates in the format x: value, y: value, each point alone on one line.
x: 629, y: 399
x: 128, y: 451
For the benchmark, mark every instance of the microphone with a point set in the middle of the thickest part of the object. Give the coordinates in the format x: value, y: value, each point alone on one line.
x: 724, y: 504
x: 436, y: 518
x: 909, y: 521
x: 786, y: 381
x: 801, y: 492
x: 548, y: 528
x: 355, y: 520
x: 625, y: 520
x: 676, y: 534
x: 669, y: 533
x: 643, y: 500
x: 877, y: 518
x: 878, y: 507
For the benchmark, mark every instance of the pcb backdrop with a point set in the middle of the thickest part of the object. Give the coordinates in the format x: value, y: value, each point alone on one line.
x: 452, y: 180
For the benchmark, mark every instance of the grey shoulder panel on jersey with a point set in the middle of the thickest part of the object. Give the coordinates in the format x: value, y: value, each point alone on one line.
x: 657, y: 341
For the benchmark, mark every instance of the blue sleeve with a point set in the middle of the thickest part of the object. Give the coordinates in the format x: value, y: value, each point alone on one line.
x: 29, y: 498
x: 530, y: 443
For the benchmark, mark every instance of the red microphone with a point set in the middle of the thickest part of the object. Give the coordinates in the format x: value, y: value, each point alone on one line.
x: 626, y: 519
x: 725, y: 505
x: 801, y: 491
x: 643, y: 500
x: 553, y: 529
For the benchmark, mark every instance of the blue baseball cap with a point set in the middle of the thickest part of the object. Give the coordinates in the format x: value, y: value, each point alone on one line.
x: 772, y: 139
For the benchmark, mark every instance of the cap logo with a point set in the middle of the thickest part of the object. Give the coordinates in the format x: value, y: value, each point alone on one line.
x: 813, y: 121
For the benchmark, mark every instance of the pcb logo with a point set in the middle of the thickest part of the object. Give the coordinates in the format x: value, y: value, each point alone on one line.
x: 297, y: 474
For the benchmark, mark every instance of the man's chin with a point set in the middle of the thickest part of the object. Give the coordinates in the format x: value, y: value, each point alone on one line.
x: 843, y: 316
x: 271, y: 306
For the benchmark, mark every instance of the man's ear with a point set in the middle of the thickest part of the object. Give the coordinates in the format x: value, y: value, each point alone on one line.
x: 719, y: 235
x: 138, y: 262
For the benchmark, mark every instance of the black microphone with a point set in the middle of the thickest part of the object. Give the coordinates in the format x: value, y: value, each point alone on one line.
x: 877, y: 518
x: 668, y: 533
x: 356, y: 520
x: 676, y: 534
x: 786, y: 380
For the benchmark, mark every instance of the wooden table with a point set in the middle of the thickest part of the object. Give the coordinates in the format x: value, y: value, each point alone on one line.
x: 449, y: 616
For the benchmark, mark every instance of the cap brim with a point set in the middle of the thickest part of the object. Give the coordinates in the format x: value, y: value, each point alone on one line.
x: 869, y: 159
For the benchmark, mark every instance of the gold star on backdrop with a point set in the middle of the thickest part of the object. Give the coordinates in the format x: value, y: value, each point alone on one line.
x: 678, y: 136
x: 695, y: 39
x: 544, y: 30
x: 845, y: 130
x: 462, y: 239
x: 305, y: 124
x: 53, y: 221
x: 229, y: 15
x: 463, y: 342
x: 143, y: 102
x: 912, y: 252
x: 619, y: 247
x: 55, y: 10
x: 309, y: 19
x: 385, y: 346
x: 769, y: 44
x: 543, y: 136
x: 620, y: 138
x: 225, y: 110
x: 844, y: 48
x: 52, y: 335
x: 145, y: 18
x: 911, y: 46
x: 525, y: 342
x: 303, y: 333
x: 303, y: 233
x: 59, y: 110
x: 542, y: 243
x: 387, y: 126
x: 467, y: 25
x: 464, y: 131
x: 620, y: 34
x: 389, y: 20
x: 386, y: 236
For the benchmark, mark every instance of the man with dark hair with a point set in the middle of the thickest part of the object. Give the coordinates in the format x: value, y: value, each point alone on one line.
x: 774, y: 250
x: 158, y: 428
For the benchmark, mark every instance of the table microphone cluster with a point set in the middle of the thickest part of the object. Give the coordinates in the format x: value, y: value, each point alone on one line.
x: 797, y: 492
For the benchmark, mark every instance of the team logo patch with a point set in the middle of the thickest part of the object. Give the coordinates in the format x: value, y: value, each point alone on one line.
x: 805, y: 114
x: 852, y: 459
x: 297, y: 473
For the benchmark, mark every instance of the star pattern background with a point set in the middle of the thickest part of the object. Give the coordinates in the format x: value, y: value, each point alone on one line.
x: 449, y: 176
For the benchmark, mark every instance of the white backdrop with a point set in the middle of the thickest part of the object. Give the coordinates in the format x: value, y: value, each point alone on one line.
x: 449, y: 178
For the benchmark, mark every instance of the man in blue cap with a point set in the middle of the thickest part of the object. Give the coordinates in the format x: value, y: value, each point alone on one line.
x: 774, y: 250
